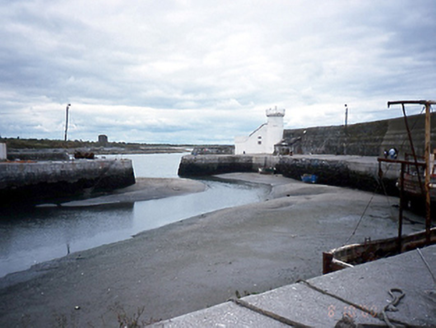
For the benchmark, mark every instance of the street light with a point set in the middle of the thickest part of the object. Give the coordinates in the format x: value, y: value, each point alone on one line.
x: 345, y: 130
x: 346, y: 115
x: 66, y: 123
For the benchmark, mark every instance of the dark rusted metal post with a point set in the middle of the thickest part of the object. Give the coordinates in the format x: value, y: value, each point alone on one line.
x: 412, y: 147
x: 427, y: 104
x: 400, y: 215
x: 427, y: 173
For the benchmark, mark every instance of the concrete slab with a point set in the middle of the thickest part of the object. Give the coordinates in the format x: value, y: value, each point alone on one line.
x: 222, y: 315
x: 360, y: 293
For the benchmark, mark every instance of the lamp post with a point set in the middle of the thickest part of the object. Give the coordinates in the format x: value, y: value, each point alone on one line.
x: 346, y: 115
x: 66, y: 123
x: 345, y: 128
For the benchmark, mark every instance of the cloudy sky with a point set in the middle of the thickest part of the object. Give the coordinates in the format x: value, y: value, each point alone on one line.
x: 203, y: 71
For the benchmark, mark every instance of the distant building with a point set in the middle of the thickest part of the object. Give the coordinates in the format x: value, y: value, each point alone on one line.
x: 3, y: 152
x: 102, y: 139
x: 264, y: 138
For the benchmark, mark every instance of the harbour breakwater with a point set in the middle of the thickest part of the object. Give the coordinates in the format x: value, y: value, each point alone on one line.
x: 35, y: 182
x: 361, y: 172
x: 355, y: 149
x: 364, y: 139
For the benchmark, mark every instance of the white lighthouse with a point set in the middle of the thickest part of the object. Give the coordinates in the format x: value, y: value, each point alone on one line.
x: 263, y: 139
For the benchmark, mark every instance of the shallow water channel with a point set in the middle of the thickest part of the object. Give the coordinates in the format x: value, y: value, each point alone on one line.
x: 40, y: 234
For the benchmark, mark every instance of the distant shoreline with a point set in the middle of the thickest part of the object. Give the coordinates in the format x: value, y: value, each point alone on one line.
x: 102, y: 150
x: 142, y: 151
x: 23, y: 146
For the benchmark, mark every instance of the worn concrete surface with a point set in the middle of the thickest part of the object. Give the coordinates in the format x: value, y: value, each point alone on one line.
x: 366, y: 285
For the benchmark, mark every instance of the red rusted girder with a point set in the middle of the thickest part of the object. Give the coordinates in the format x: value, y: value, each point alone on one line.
x: 427, y: 104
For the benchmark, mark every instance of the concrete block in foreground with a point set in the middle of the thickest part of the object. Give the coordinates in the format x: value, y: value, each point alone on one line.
x: 361, y: 294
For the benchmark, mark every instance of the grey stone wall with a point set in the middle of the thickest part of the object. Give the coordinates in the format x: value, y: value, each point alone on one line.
x: 38, y: 155
x: 364, y: 139
x: 214, y: 150
x: 203, y: 165
x: 41, y: 181
x: 345, y: 171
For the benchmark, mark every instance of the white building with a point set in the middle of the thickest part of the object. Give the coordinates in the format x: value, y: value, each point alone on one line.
x: 263, y: 139
x: 3, y: 152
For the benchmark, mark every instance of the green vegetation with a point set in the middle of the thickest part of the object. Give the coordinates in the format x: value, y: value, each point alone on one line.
x: 130, y: 321
x: 18, y: 143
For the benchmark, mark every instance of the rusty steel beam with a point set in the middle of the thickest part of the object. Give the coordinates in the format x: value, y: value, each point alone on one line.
x: 400, y: 214
x: 409, y: 134
x: 427, y: 172
x: 399, y: 161
x: 427, y: 104
x: 411, y: 102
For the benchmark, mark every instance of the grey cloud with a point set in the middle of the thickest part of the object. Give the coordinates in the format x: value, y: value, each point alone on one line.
x: 206, y: 70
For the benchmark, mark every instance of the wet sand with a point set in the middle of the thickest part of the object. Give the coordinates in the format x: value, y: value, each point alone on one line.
x: 143, y: 189
x: 198, y: 262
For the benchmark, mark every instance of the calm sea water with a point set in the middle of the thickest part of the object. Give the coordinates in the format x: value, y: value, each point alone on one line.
x: 41, y: 234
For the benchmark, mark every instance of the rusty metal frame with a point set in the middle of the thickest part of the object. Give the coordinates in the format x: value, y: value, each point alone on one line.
x: 427, y: 104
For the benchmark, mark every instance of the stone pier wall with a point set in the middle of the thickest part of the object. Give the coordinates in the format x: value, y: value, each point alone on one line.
x: 203, y: 165
x: 321, y: 150
x: 39, y: 181
x: 346, y: 171
x: 364, y: 139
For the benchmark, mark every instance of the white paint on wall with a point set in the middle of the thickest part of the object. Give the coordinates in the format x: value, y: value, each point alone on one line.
x: 3, y: 152
x: 263, y: 139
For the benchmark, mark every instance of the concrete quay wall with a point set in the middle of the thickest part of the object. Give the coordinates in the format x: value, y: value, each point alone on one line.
x: 203, y: 165
x: 39, y: 181
x: 38, y: 155
x: 364, y: 139
x: 361, y: 172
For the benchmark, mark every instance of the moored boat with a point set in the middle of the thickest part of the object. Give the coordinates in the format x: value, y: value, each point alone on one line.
x: 350, y: 255
x: 309, y: 178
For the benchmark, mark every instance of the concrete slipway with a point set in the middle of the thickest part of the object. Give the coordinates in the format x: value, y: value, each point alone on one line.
x: 325, y: 300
